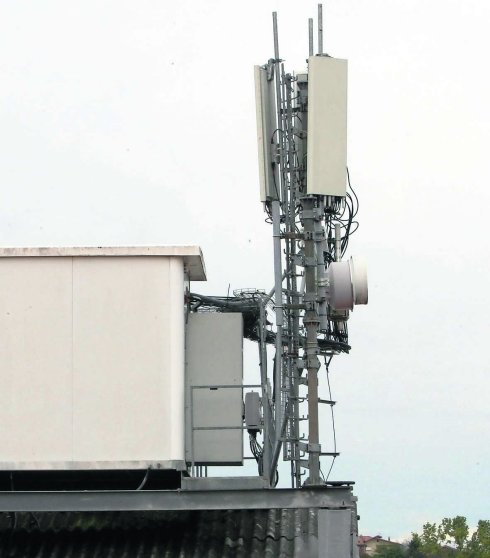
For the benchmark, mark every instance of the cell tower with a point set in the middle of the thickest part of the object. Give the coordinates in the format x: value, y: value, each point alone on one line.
x: 306, y: 192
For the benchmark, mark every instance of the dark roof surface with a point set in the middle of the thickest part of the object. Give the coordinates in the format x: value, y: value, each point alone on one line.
x: 190, y: 534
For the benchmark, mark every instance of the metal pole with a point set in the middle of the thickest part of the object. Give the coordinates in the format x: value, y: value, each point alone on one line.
x: 289, y: 366
x: 300, y: 141
x: 276, y: 233
x: 310, y: 36
x: 289, y: 215
x: 311, y: 322
x: 293, y: 299
x: 277, y: 448
x: 276, y: 36
x: 320, y: 29
x: 265, y: 395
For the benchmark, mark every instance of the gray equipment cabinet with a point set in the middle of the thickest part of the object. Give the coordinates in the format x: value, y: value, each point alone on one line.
x: 214, y: 378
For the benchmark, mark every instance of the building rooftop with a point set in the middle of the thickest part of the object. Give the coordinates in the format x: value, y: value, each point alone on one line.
x: 198, y: 534
x: 192, y: 255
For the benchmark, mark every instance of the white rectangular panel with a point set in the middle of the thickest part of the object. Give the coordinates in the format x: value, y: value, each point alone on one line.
x: 327, y: 126
x: 266, y: 124
x: 92, y: 361
x: 128, y: 360
x: 214, y: 356
x: 35, y: 359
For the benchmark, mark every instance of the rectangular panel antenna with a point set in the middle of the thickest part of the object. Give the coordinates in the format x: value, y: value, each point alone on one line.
x: 327, y: 126
x: 266, y: 126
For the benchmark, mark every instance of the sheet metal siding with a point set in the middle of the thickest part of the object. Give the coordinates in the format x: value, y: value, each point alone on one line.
x: 214, y: 355
x: 205, y: 534
x: 92, y: 360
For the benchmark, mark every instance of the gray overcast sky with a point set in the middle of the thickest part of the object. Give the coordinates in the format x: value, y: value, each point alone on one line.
x: 129, y: 122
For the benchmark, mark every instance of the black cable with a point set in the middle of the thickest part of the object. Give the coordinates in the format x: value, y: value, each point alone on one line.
x: 351, y: 188
x: 145, y: 478
x: 250, y: 308
x: 275, y: 183
x: 257, y: 451
x: 275, y: 132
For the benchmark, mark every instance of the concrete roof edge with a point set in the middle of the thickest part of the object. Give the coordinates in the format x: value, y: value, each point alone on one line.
x: 192, y: 254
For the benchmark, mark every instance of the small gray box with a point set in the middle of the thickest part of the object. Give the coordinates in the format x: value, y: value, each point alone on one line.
x: 253, y: 416
x: 214, y: 358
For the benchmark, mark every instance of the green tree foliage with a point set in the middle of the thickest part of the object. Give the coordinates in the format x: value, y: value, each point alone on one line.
x: 479, y: 544
x: 389, y: 551
x: 431, y: 539
x: 451, y: 539
x: 414, y: 549
x: 454, y: 531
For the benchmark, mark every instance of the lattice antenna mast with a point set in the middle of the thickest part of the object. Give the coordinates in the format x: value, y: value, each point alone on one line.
x: 302, y: 161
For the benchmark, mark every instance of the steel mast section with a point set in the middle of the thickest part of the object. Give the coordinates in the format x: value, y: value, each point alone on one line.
x: 307, y: 202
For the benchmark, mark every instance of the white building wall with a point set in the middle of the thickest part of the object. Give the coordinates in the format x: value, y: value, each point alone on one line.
x: 91, y: 362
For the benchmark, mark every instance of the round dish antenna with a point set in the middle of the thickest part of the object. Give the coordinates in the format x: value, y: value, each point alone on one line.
x: 348, y: 284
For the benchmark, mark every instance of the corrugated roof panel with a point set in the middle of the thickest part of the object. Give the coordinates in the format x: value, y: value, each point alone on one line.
x: 191, y: 534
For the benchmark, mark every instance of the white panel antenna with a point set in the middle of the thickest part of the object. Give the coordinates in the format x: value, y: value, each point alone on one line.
x: 266, y: 127
x: 327, y: 126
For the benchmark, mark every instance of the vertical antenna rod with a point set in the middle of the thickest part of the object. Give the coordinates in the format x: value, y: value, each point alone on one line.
x: 276, y: 232
x: 320, y: 29
x: 310, y: 36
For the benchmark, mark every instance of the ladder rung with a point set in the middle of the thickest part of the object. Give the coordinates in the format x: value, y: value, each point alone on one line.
x: 327, y: 401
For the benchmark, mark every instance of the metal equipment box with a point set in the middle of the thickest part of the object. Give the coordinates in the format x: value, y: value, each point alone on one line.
x: 92, y: 356
x: 214, y: 379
